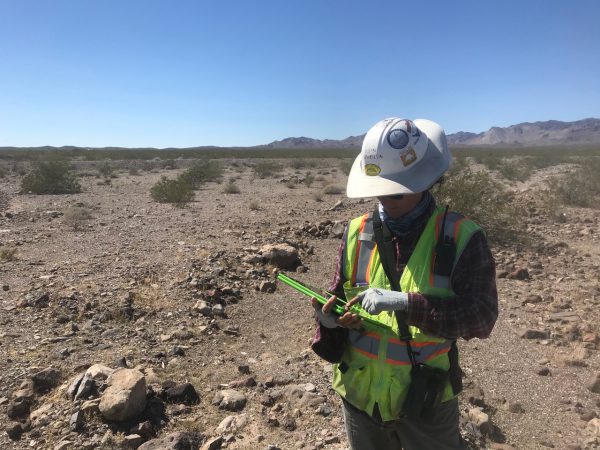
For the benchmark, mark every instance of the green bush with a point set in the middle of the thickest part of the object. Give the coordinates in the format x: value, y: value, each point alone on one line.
x: 333, y: 189
x: 53, y: 177
x: 266, y: 169
x: 309, y: 179
x: 106, y: 171
x: 231, y: 188
x: 178, y: 192
x: 345, y: 165
x: 483, y: 199
x: 579, y: 188
x: 202, y: 172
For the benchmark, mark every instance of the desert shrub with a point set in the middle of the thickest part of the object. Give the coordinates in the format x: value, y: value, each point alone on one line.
x: 483, y: 199
x: 302, y: 163
x: 202, y: 172
x: 231, y: 188
x: 333, y: 189
x: 579, y: 188
x: 76, y: 217
x: 4, y: 200
x: 106, y: 171
x: 52, y: 177
x: 254, y: 205
x: 345, y: 165
x: 318, y: 197
x: 309, y: 179
x: 266, y: 169
x: 3, y: 172
x: 514, y: 170
x: 7, y: 254
x: 291, y: 184
x: 134, y: 172
x: 178, y: 192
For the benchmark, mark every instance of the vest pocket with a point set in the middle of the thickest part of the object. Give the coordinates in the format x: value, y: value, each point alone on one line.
x: 356, y: 383
x: 398, y: 386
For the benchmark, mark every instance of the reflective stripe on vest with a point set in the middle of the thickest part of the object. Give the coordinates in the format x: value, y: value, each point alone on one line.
x: 365, y: 246
x: 451, y: 228
x: 366, y: 344
x: 397, y: 353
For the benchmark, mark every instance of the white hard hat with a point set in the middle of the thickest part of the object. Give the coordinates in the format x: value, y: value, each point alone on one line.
x: 399, y: 156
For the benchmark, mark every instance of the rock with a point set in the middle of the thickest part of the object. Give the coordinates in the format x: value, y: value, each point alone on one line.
x: 474, y: 395
x: 39, y: 417
x: 99, y: 372
x: 218, y: 310
x: 86, y: 388
x: 76, y: 421
x: 590, y: 337
x: 519, y: 274
x: 337, y: 229
x: 594, y: 384
x: 266, y: 286
x: 547, y: 444
x: 14, y: 431
x: 18, y: 408
x: 155, y: 411
x: 132, y: 441
x: 593, y: 426
x: 244, y: 368
x: 182, y: 393
x: 481, y: 419
x: 232, y: 424
x: 337, y: 205
x: 125, y: 397
x: 283, y: 256
x: 35, y: 300
x: 543, y: 371
x: 74, y: 386
x: 45, y: 380
x: 587, y: 415
x: 529, y: 333
x: 230, y: 400
x: 203, y: 308
x: 244, y: 382
x: 173, y: 441
x: 213, y: 444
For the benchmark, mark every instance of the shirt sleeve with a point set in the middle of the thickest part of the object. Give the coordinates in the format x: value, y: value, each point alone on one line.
x: 474, y: 309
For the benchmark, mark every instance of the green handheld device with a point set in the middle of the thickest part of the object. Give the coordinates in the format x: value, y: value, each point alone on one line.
x: 338, y: 307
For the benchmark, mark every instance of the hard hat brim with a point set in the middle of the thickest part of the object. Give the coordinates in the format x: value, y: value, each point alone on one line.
x: 420, y: 178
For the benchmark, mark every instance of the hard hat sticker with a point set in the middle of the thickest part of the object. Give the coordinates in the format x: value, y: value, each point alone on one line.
x: 372, y: 170
x: 398, y: 138
x: 408, y: 157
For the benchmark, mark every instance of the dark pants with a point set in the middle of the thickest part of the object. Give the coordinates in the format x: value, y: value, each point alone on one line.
x: 440, y: 432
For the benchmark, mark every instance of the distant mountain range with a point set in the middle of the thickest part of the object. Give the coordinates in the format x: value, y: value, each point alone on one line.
x: 551, y: 132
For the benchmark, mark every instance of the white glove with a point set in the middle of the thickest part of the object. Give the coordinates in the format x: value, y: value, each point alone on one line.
x: 328, y: 320
x: 376, y: 300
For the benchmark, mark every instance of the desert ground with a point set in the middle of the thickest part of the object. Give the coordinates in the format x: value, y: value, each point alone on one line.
x: 187, y: 295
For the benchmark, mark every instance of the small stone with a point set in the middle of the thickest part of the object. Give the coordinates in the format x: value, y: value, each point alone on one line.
x: 182, y: 393
x: 267, y: 286
x: 529, y: 333
x: 519, y: 274
x: 230, y: 400
x: 45, y: 380
x: 543, y: 371
x: 213, y: 444
x: 244, y: 382
x: 91, y: 406
x: 533, y: 298
x: 125, y: 397
x: 132, y: 441
x: 76, y: 421
x: 245, y: 369
x: 588, y: 415
x: 173, y: 441
x: 14, y: 431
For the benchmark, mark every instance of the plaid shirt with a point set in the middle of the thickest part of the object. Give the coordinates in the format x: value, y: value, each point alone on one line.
x: 474, y: 309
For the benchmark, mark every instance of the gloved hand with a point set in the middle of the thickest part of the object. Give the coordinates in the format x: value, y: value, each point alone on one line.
x: 328, y: 320
x: 376, y: 300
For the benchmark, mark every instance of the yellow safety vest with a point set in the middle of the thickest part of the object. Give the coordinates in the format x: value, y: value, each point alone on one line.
x: 375, y: 367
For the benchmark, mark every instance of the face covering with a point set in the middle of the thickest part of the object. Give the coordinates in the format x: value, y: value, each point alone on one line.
x: 405, y: 224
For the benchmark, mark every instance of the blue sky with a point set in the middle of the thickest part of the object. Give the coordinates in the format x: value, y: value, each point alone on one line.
x: 185, y: 73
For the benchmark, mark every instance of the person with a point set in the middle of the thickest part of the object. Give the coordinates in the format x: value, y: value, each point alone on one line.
x: 424, y: 276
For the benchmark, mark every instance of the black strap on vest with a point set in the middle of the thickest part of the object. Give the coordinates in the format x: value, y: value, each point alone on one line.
x: 385, y: 247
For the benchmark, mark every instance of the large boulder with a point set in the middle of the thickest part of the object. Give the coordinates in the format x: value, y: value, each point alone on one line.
x: 283, y: 256
x: 125, y: 396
